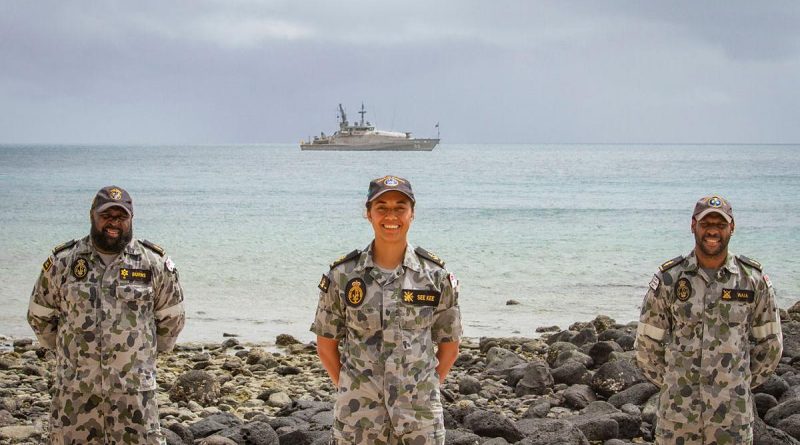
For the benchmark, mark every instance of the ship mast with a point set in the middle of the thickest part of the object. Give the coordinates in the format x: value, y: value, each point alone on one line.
x: 362, y: 112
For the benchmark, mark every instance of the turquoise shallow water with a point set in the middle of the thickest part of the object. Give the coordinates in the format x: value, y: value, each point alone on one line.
x: 570, y: 231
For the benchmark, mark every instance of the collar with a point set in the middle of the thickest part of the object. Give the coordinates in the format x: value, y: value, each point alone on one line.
x: 690, y: 263
x: 410, y: 259
x: 86, y: 246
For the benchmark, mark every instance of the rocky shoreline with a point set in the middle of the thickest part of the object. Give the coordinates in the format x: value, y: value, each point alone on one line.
x: 572, y: 387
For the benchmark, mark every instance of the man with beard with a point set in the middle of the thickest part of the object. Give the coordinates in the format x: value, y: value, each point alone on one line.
x: 106, y: 304
x: 709, y: 332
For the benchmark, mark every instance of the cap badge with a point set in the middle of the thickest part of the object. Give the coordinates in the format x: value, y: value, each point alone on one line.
x: 115, y: 194
x: 683, y: 289
x: 80, y: 268
x: 391, y: 181
x: 355, y: 292
x: 715, y: 202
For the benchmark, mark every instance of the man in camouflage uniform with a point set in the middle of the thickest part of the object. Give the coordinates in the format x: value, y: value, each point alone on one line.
x: 388, y: 328
x: 106, y: 304
x: 708, y: 333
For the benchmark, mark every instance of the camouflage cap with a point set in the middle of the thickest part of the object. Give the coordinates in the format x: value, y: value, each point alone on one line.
x: 111, y: 196
x: 713, y: 204
x: 379, y: 186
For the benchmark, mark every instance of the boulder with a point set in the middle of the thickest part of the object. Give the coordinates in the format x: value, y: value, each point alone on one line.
x: 205, y: 427
x: 536, y: 379
x: 616, y: 376
x: 610, y: 334
x: 764, y: 434
x: 791, y: 425
x: 469, y: 385
x: 774, y: 386
x: 571, y: 373
x: 782, y: 411
x: 763, y: 403
x: 602, y: 323
x: 490, y: 424
x: 549, y: 432
x: 601, y: 421
x: 579, y: 396
x: 196, y: 385
x: 556, y: 349
x: 626, y: 342
x: 253, y: 433
x: 600, y: 351
x: 500, y: 359
x: 299, y: 436
x: 585, y: 336
x: 461, y: 437
x: 561, y: 337
x: 637, y: 394
x: 573, y: 354
x: 791, y: 339
x: 286, y: 340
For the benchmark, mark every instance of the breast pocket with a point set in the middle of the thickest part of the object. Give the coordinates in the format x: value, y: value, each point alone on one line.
x: 416, y: 318
x: 133, y: 306
x: 363, y: 322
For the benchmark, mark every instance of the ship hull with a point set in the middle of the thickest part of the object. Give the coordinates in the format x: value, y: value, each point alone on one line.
x: 403, y: 145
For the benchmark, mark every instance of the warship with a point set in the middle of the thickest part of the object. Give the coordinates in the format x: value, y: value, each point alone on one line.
x: 364, y: 136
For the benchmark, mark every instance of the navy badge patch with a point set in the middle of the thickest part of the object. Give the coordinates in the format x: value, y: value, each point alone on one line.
x: 740, y: 295
x: 115, y: 194
x: 142, y: 275
x: 324, y: 283
x: 354, y: 292
x: 420, y: 297
x: 80, y: 267
x: 683, y: 289
x: 48, y: 263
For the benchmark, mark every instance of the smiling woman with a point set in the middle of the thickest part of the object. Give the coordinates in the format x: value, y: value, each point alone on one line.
x: 395, y: 311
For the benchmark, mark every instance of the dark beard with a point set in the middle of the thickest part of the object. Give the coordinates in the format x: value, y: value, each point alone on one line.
x: 104, y: 243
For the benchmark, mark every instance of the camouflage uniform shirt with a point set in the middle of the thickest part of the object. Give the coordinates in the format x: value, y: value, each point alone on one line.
x: 706, y: 341
x: 106, y: 323
x: 388, y: 329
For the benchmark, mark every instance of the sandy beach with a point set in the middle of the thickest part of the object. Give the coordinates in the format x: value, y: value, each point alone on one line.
x: 574, y: 385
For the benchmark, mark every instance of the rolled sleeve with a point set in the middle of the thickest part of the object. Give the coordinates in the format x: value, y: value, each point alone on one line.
x: 765, y: 334
x: 651, y: 333
x: 446, y: 326
x: 43, y: 311
x: 329, y: 321
x: 170, y: 315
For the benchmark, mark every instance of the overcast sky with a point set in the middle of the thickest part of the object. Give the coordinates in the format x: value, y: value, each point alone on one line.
x: 239, y: 71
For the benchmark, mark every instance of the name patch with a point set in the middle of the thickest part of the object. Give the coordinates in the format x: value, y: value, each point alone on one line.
x: 142, y: 275
x: 740, y: 295
x: 419, y: 297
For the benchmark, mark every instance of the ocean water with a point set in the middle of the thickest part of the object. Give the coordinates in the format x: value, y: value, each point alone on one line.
x: 570, y: 231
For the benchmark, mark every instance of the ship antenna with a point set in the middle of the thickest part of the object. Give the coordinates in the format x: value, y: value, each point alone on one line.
x: 362, y: 112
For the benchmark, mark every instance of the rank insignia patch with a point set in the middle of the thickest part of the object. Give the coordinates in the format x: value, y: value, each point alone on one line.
x: 420, y: 297
x: 80, y: 268
x: 324, y: 283
x: 354, y: 292
x: 134, y: 274
x: 683, y: 289
x: 740, y: 295
x: 48, y: 263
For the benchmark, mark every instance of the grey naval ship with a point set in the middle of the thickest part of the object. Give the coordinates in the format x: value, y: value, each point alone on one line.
x: 364, y: 136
